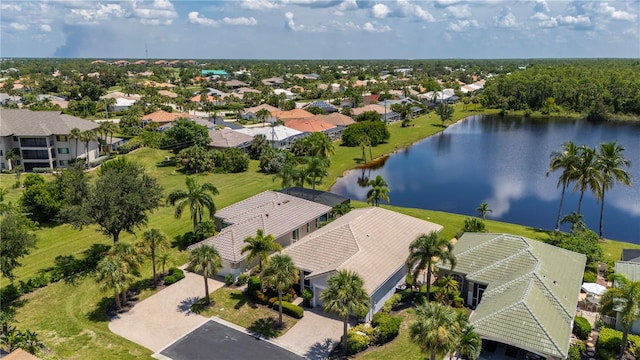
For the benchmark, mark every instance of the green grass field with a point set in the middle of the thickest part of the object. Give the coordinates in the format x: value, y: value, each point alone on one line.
x: 71, y: 320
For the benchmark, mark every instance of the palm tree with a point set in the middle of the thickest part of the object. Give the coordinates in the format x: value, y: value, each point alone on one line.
x: 112, y: 276
x: 259, y: 247
x: 288, y: 172
x: 576, y: 220
x: 587, y: 174
x: 263, y: 115
x: 445, y: 111
x: 281, y: 274
x: 320, y: 145
x: 206, y: 261
x: 483, y: 209
x: 108, y: 102
x: 422, y: 252
x: 31, y: 342
x: 316, y: 170
x: 164, y: 259
x: 623, y: 298
x: 363, y: 142
x: 197, y: 197
x: 469, y: 342
x: 11, y: 156
x: 567, y: 160
x: 611, y: 164
x: 153, y: 240
x: 379, y: 190
x: 74, y: 134
x: 345, y: 294
x: 435, y: 329
x: 86, y: 137
x: 129, y: 260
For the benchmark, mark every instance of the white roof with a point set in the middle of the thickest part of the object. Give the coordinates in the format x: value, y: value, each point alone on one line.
x: 277, y: 133
x: 593, y: 288
x: 124, y: 102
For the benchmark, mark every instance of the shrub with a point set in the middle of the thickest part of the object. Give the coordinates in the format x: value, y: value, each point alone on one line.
x: 386, y: 326
x: 253, y: 284
x: 292, y: 310
x: 129, y: 146
x: 406, y: 294
x: 228, y: 279
x: 610, y: 340
x: 43, y: 170
x: 357, y: 341
x: 392, y: 302
x: 287, y: 297
x: 575, y: 351
x: 9, y: 293
x: 581, y: 328
x: 590, y: 277
x: 259, y: 297
x: 242, y: 279
x: 307, y: 296
x: 272, y: 302
x: 174, y: 276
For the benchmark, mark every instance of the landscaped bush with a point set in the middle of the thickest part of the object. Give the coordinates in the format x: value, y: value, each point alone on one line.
x: 259, y: 297
x: 575, y: 350
x: 9, y: 293
x: 307, y: 296
x: 34, y: 283
x: 272, y: 302
x: 253, y: 284
x: 392, y: 302
x: 590, y: 277
x: 386, y: 326
x: 376, y: 131
x: 228, y: 280
x: 242, y: 279
x: 609, y: 341
x: 357, y: 341
x: 581, y: 328
x: 291, y: 310
x: 174, y: 276
x: 129, y: 146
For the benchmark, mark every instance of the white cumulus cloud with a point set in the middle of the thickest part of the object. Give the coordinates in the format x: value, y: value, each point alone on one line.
x: 580, y: 21
x: 380, y: 11
x: 611, y: 12
x: 240, y: 21
x: 19, y: 26
x: 290, y: 23
x: 541, y: 6
x: 506, y: 19
x: 409, y: 9
x: 462, y: 25
x: 460, y: 11
x: 45, y: 28
x: 159, y: 12
x: 195, y: 18
x: 370, y: 27
x: 258, y: 4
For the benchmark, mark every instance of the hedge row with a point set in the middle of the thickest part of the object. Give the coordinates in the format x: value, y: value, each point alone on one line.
x: 610, y: 340
x: 174, y: 276
x: 581, y: 328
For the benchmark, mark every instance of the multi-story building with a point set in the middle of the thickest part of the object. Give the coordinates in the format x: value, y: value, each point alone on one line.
x: 41, y: 139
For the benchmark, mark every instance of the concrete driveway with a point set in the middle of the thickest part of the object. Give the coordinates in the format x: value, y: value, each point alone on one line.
x: 315, y: 335
x: 164, y: 317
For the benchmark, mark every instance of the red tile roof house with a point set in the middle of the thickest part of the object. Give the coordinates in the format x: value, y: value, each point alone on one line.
x: 162, y: 117
x: 292, y: 114
x: 286, y: 217
x: 372, y: 242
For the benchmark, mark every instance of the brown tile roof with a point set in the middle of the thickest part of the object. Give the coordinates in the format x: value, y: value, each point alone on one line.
x: 292, y: 114
x: 20, y: 354
x: 309, y: 125
x: 22, y: 122
x: 373, y: 107
x: 275, y: 213
x: 198, y: 97
x: 255, y: 109
x: 236, y: 83
x: 140, y: 62
x: 119, y: 94
x: 335, y: 119
x: 168, y: 93
x: 228, y: 138
x: 373, y: 242
x: 163, y: 117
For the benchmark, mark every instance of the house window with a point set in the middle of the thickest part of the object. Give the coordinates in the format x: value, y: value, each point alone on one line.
x: 64, y: 162
x: 63, y: 150
x: 308, y: 227
x: 61, y: 138
x: 296, y: 234
x: 1, y: 153
x: 317, y: 223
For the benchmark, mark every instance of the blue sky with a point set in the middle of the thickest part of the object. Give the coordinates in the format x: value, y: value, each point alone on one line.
x: 320, y: 29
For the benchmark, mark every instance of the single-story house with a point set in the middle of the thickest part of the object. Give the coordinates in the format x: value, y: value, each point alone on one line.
x: 250, y: 113
x: 286, y: 115
x: 287, y: 94
x: 334, y: 118
x: 273, y: 81
x: 372, y: 242
x: 122, y: 104
x: 162, y: 117
x: 228, y: 138
x: 287, y: 218
x: 322, y: 197
x: 328, y: 108
x: 5, y: 99
x: 279, y: 137
x: 234, y: 84
x: 309, y: 125
x: 524, y: 292
x: 42, y: 139
x: 119, y: 94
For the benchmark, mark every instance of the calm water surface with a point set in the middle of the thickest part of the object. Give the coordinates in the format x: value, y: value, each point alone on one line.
x: 503, y: 161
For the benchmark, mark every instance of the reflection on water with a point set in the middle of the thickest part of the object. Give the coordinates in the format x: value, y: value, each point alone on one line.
x: 503, y: 161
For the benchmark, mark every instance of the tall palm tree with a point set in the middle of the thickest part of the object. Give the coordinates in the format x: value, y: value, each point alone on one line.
x: 153, y: 240
x: 623, y: 298
x: 320, y: 145
x: 206, y: 261
x: 198, y: 198
x: 435, y: 329
x: 567, y: 161
x: 611, y: 164
x: 107, y: 103
x: 345, y: 294
x: 263, y: 115
x: 87, y: 137
x: 587, y: 174
x: 112, y: 276
x: 363, y: 142
x: 281, y: 274
x: 287, y: 173
x: 422, y: 252
x: 74, y: 134
x: 445, y: 111
x: 315, y: 171
x: 259, y: 247
x: 129, y: 259
x: 483, y: 209
x: 11, y: 156
x: 469, y: 342
x: 379, y: 191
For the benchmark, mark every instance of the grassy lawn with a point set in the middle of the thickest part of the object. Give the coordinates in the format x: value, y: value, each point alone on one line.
x: 399, y: 348
x: 71, y: 320
x: 234, y: 306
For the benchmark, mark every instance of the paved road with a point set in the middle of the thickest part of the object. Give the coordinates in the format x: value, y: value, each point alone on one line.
x: 217, y: 341
x: 164, y: 317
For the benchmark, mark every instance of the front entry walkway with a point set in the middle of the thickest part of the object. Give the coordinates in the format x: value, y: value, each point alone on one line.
x: 165, y: 316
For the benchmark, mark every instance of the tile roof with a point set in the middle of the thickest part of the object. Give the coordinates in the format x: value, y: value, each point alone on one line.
x: 162, y: 116
x: 292, y: 114
x: 373, y: 242
x: 309, y: 125
x: 629, y: 269
x: 322, y: 197
x: 372, y: 107
x: 168, y: 93
x: 275, y: 213
x: 22, y: 122
x: 334, y: 118
x: 532, y: 290
x: 255, y: 109
x: 275, y: 133
x: 118, y: 94
x: 235, y: 83
x: 228, y: 138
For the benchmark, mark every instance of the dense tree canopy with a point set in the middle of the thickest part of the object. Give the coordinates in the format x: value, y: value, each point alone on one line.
x: 16, y: 240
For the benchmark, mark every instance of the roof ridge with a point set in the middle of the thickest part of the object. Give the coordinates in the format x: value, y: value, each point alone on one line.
x: 544, y: 329
x: 502, y: 261
x: 550, y: 292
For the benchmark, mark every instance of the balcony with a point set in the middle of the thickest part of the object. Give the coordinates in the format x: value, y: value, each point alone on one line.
x: 33, y: 142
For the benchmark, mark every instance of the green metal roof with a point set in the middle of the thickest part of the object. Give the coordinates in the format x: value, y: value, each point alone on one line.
x: 532, y: 290
x: 629, y: 269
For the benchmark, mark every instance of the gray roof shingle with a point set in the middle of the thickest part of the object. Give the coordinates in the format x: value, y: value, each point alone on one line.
x: 22, y: 122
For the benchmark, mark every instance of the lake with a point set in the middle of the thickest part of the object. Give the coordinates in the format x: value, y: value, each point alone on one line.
x: 503, y: 161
